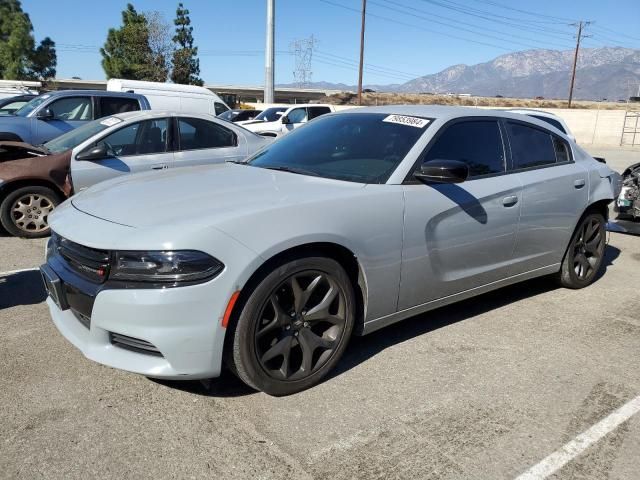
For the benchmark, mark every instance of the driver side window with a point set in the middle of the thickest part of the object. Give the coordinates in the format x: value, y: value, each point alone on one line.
x: 477, y: 143
x: 140, y: 138
x: 72, y: 109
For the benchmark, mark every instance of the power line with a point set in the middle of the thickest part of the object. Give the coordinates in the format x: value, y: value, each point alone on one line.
x: 370, y: 65
x: 457, y: 24
x: 600, y: 27
x: 527, y: 12
x: 523, y: 24
x: 387, y: 19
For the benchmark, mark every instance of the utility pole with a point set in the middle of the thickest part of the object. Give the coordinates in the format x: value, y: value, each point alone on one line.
x: 364, y: 15
x: 269, y: 54
x: 581, y: 25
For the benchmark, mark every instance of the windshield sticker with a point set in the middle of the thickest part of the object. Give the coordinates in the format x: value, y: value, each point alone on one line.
x: 405, y: 120
x: 110, y: 122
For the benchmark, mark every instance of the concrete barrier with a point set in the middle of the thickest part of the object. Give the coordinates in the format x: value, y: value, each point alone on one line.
x: 593, y: 127
x: 589, y: 126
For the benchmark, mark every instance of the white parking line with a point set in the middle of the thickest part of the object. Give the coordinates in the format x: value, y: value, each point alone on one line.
x: 11, y: 272
x: 575, y: 447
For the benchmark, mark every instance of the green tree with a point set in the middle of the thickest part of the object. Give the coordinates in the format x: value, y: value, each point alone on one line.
x: 186, y: 66
x: 44, y: 60
x: 127, y: 53
x: 19, y: 60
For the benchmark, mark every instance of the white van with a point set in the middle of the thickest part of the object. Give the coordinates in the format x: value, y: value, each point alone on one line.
x: 12, y: 88
x: 172, y: 96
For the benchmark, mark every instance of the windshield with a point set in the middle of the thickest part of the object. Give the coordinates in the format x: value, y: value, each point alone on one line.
x: 73, y: 138
x: 271, y: 114
x: 357, y: 147
x: 31, y: 106
x: 228, y: 115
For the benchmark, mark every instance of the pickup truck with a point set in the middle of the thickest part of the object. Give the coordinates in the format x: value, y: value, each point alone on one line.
x: 290, y: 118
x: 50, y: 115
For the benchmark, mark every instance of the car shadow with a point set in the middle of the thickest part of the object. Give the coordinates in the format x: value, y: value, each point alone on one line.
x: 363, y: 348
x: 226, y: 385
x: 22, y: 288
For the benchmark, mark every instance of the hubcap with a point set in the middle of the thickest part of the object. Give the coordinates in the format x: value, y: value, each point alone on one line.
x: 587, y: 251
x: 300, y: 325
x: 31, y: 212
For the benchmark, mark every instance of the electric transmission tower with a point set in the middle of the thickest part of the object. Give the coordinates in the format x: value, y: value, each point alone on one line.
x: 303, y: 49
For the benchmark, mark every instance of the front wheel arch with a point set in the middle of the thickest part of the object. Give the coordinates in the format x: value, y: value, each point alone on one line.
x: 345, y: 257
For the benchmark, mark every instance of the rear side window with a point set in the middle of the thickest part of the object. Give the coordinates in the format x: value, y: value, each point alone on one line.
x: 530, y: 147
x: 219, y: 108
x: 562, y: 150
x: 477, y: 143
x: 113, y: 105
x: 551, y: 121
x: 317, y: 111
x: 196, y: 134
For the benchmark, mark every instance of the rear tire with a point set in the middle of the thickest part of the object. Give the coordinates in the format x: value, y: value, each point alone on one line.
x: 294, y: 326
x: 25, y: 211
x: 585, y: 253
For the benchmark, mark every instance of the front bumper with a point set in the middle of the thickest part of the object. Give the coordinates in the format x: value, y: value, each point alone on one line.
x: 182, y: 323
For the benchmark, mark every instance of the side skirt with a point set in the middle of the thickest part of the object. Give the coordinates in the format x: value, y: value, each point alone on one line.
x: 378, y: 323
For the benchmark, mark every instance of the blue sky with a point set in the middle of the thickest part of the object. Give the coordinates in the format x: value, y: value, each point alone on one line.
x: 405, y: 38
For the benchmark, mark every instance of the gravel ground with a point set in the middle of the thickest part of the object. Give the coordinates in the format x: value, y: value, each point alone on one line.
x: 482, y: 389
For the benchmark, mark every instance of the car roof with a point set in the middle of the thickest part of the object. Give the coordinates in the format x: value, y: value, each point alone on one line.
x: 95, y: 93
x: 532, y: 111
x: 150, y: 114
x: 446, y: 113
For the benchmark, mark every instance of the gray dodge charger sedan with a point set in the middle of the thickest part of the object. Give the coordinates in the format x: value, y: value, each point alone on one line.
x: 357, y: 220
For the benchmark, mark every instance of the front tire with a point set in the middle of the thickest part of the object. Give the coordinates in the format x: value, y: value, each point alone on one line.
x: 294, y: 326
x: 585, y: 253
x: 25, y: 211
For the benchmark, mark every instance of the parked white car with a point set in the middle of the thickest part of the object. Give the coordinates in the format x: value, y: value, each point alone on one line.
x: 550, y: 118
x: 290, y: 119
x: 172, y: 96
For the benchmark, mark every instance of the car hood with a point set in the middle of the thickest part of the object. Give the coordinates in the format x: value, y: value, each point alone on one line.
x: 206, y: 195
x: 9, y: 122
x: 260, y: 126
x: 16, y: 150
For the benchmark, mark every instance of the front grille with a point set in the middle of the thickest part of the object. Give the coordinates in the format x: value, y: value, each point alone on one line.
x: 83, y: 319
x: 134, y: 344
x: 90, y: 263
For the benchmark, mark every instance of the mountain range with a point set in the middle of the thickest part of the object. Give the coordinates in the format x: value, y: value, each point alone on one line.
x: 608, y: 72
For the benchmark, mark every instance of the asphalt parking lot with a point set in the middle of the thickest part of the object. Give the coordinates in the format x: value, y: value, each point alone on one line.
x: 483, y: 389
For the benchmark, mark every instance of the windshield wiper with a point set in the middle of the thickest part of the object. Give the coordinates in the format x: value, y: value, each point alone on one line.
x: 299, y: 171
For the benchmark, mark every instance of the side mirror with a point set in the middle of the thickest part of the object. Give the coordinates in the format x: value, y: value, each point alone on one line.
x: 95, y: 153
x: 285, y: 120
x: 443, y: 171
x: 45, y: 114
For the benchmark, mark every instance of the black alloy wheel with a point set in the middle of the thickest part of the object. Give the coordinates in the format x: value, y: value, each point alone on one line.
x: 294, y: 326
x: 585, y: 253
x: 300, y: 325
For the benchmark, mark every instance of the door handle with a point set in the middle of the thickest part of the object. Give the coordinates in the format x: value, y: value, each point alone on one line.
x: 510, y: 201
x: 579, y: 183
x: 160, y: 167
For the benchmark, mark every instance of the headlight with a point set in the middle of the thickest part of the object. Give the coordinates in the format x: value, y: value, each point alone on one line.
x: 165, y: 266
